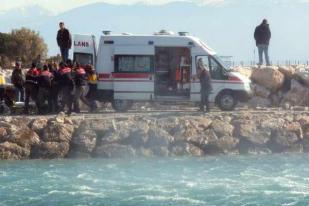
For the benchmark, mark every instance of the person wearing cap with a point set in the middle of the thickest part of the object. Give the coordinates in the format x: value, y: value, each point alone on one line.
x: 262, y: 36
x: 64, y: 40
x: 18, y: 81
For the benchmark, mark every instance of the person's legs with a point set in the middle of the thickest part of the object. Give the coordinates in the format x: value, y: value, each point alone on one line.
x: 260, y: 50
x: 62, y: 52
x: 27, y: 99
x: 266, y: 55
x: 66, y: 53
x: 207, y: 101
x: 203, y: 100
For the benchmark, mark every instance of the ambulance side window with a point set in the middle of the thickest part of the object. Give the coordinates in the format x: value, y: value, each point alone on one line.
x: 134, y: 64
x: 216, y: 69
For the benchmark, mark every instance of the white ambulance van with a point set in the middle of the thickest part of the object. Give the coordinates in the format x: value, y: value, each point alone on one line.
x: 160, y: 67
x: 85, y: 51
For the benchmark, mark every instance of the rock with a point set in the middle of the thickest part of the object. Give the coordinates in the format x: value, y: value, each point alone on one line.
x: 38, y: 124
x: 24, y: 137
x: 203, y: 139
x: 222, y: 128
x: 294, y: 127
x: 50, y: 150
x: 204, y: 122
x: 58, y: 132
x: 303, y: 75
x: 78, y: 155
x: 259, y: 151
x: 225, y: 145
x: 84, y: 141
x: 270, y: 77
x: 3, y: 133
x: 246, y: 71
x: 138, y: 135
x: 144, y: 152
x: 248, y: 130
x: 282, y: 140
x: 306, y: 141
x: 298, y: 95
x: 303, y: 120
x: 259, y: 102
x: 112, y: 136
x: 12, y: 151
x: 114, y: 151
x: 183, y: 148
x: 158, y: 138
x: 288, y: 72
x: 260, y: 91
x: 60, y: 118
x: 160, y: 151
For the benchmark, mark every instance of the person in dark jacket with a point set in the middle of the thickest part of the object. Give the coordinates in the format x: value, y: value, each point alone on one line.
x: 67, y: 86
x: 64, y: 40
x: 80, y: 80
x: 206, y: 87
x: 44, y: 83
x: 55, y: 86
x: 18, y: 80
x: 262, y: 37
x: 31, y: 86
x: 93, y: 87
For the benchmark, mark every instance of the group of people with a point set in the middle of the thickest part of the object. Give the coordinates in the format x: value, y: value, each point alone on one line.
x: 60, y: 86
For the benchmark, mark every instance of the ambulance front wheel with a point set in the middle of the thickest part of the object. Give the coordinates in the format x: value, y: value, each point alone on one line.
x: 226, y: 101
x: 122, y: 105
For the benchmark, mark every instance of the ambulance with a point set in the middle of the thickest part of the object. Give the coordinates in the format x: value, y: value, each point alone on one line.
x: 157, y: 68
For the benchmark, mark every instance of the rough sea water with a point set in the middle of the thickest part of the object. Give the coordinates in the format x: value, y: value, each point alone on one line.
x: 232, y: 180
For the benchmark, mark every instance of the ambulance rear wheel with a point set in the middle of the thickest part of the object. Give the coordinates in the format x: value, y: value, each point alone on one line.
x: 226, y: 101
x: 122, y: 105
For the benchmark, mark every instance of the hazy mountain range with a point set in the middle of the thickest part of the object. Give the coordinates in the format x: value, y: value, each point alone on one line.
x: 226, y: 25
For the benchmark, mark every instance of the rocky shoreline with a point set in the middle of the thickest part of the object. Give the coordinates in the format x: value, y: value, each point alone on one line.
x: 139, y: 135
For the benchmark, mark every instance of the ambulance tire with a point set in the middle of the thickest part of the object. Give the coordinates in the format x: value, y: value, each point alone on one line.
x: 226, y: 101
x: 122, y: 105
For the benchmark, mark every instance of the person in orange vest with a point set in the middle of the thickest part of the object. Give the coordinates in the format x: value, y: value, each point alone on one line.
x: 67, y: 86
x: 80, y: 82
x: 44, y: 83
x: 31, y: 86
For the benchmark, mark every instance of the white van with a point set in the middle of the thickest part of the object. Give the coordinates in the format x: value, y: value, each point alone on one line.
x: 160, y: 67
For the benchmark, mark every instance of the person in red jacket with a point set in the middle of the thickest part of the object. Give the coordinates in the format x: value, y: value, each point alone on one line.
x: 31, y: 86
x: 44, y: 83
x: 80, y: 82
x: 67, y: 86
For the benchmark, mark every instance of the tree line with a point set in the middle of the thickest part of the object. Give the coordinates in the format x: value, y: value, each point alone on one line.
x: 23, y: 45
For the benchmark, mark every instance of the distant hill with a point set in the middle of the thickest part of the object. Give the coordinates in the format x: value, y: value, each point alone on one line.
x: 227, y: 26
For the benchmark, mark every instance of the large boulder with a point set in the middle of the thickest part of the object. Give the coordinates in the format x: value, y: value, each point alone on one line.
x: 303, y: 76
x: 246, y: 71
x: 114, y: 151
x: 158, y: 138
x: 287, y: 71
x: 297, y: 96
x: 58, y: 132
x: 260, y: 91
x: 270, y: 77
x: 38, y: 124
x: 24, y: 137
x: 185, y: 149
x: 50, y: 150
x: 222, y: 128
x: 225, y: 145
x: 248, y: 131
x: 12, y: 151
x: 84, y: 141
x: 138, y: 135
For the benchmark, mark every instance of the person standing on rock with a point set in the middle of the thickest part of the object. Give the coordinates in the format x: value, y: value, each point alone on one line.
x: 262, y: 37
x: 31, y: 86
x: 18, y: 80
x: 205, y: 81
x: 44, y: 83
x: 64, y: 40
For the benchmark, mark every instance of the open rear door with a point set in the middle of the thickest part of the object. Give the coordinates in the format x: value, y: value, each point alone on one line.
x: 133, y: 78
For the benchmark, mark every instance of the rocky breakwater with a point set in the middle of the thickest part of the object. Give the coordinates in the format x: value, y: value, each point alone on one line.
x: 278, y: 86
x: 149, y: 135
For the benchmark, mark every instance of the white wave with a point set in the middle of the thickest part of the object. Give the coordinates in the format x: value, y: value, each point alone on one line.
x: 168, y: 198
x: 3, y: 174
x: 56, y: 192
x: 88, y: 193
x: 50, y: 175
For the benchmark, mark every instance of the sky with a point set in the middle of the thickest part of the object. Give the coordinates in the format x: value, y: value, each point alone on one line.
x: 58, y: 6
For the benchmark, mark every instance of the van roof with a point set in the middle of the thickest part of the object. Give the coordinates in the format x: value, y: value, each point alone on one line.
x: 158, y: 40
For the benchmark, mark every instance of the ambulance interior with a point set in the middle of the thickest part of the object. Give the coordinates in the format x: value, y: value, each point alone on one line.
x: 172, y: 71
